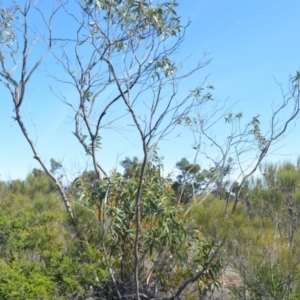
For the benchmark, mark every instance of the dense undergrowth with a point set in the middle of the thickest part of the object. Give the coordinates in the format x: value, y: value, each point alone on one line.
x: 41, y: 257
x: 45, y: 256
x: 262, y: 235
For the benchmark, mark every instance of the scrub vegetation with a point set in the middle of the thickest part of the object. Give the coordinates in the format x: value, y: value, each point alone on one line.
x: 137, y: 233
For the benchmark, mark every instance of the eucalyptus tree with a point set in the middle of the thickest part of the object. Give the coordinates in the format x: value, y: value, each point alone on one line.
x: 131, y: 64
x: 117, y: 55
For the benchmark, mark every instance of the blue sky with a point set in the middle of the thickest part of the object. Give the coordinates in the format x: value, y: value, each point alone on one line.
x: 252, y: 45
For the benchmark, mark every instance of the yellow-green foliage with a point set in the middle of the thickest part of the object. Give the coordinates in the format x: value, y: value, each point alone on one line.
x: 40, y: 257
x: 262, y: 236
x: 44, y: 255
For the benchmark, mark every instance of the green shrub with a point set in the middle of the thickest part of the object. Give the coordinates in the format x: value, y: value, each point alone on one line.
x: 41, y: 256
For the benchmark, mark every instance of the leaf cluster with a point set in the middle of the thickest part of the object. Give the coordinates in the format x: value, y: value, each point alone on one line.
x: 170, y: 250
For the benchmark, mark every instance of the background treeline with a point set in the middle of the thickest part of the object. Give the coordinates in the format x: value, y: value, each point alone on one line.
x: 43, y: 255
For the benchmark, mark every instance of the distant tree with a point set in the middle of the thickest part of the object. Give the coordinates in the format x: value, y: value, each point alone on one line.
x: 55, y: 165
x: 132, y: 167
x: 38, y: 172
x: 3, y: 187
x: 189, y: 182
